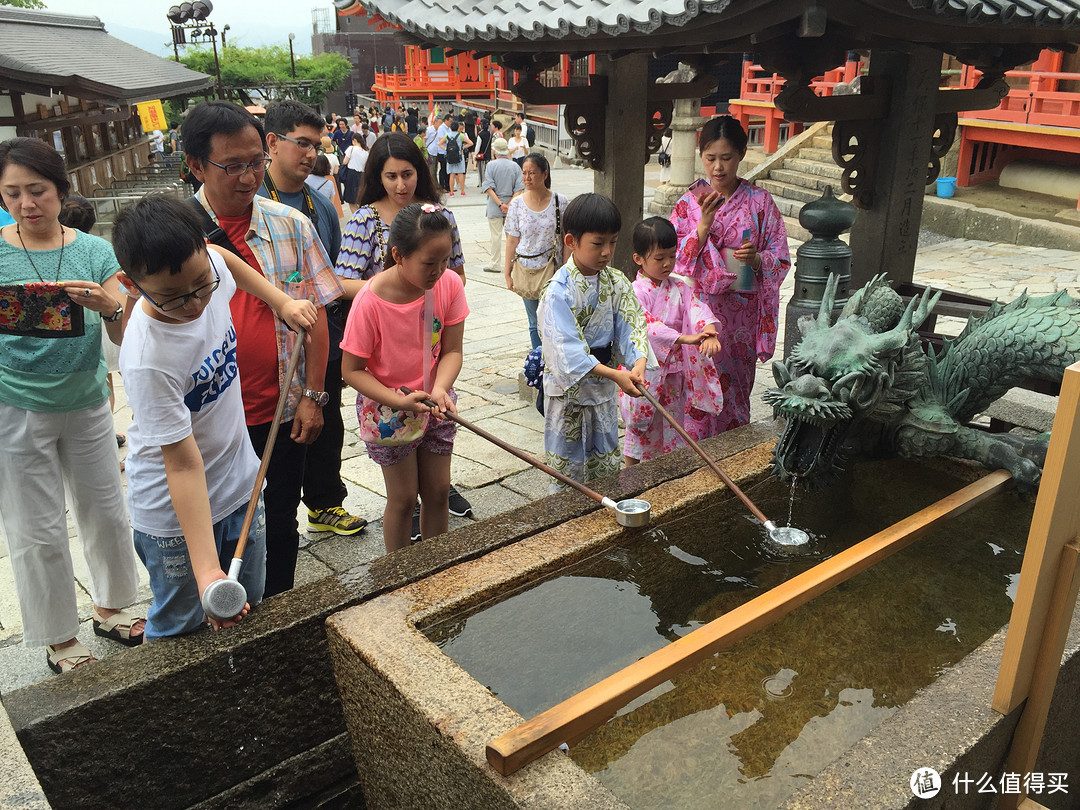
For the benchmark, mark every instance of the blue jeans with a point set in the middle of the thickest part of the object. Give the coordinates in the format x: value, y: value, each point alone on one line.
x: 176, y: 608
x: 531, y: 305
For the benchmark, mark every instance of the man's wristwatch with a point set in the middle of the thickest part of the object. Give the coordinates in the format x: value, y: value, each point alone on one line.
x: 320, y: 397
x: 115, y: 316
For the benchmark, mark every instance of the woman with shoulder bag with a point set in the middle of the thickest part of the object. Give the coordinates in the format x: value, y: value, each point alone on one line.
x: 534, y: 245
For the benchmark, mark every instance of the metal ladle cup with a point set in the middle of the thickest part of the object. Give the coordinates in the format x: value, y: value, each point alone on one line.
x: 629, y: 512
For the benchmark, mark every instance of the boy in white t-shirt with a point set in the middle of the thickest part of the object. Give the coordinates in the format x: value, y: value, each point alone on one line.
x: 190, y: 468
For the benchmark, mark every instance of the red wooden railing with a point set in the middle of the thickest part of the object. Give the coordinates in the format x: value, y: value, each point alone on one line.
x: 757, y: 89
x: 1036, y: 119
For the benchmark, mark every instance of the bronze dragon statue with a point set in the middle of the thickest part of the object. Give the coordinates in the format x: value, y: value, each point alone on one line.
x: 865, y: 386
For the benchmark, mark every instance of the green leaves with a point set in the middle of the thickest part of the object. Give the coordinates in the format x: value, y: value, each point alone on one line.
x: 268, y: 70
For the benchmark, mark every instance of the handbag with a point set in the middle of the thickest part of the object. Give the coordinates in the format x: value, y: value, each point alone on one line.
x: 390, y: 427
x: 529, y: 282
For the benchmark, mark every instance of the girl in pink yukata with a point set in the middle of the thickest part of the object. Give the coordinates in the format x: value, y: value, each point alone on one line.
x: 733, y: 215
x: 405, y: 330
x: 684, y: 338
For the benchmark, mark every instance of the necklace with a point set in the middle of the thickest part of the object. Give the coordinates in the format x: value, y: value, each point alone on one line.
x: 27, y: 252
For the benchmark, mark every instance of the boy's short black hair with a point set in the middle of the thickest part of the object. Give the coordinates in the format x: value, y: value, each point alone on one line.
x: 591, y: 213
x: 156, y: 233
x: 210, y: 118
x: 283, y: 117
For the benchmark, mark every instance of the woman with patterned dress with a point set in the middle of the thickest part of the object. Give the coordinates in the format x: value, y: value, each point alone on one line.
x: 396, y: 175
x: 735, y: 216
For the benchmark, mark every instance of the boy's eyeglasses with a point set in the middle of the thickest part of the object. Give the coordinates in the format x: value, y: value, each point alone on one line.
x: 237, y: 169
x: 181, y: 300
x: 305, y: 144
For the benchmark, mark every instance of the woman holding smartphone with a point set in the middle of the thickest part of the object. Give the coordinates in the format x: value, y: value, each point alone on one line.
x: 724, y: 225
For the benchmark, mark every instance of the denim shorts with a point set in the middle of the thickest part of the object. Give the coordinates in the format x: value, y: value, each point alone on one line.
x: 176, y: 608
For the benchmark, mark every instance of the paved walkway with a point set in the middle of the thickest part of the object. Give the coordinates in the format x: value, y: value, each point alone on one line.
x: 496, y: 342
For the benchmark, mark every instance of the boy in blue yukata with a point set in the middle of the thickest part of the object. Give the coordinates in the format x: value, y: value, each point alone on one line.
x: 191, y: 466
x: 590, y: 323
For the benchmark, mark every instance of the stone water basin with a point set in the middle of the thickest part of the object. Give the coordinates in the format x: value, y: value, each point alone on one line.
x: 523, y: 628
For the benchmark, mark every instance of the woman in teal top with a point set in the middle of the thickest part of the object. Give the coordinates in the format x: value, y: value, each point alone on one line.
x: 58, y: 288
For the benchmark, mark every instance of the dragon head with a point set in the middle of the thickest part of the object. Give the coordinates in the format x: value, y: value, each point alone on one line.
x: 843, y: 375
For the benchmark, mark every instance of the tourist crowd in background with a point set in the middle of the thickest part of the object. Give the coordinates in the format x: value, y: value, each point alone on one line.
x: 224, y: 282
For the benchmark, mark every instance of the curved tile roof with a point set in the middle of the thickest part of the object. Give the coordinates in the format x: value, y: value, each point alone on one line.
x: 488, y: 20
x: 501, y: 22
x: 40, y: 51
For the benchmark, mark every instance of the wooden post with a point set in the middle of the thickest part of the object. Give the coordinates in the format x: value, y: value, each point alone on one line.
x: 624, y: 145
x: 885, y: 237
x: 576, y: 716
x: 1029, y: 732
x: 1055, y: 522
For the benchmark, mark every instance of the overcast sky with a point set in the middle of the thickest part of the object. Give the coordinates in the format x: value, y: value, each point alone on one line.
x: 251, y: 22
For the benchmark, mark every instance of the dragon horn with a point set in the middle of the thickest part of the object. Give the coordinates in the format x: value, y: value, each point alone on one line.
x: 824, y: 315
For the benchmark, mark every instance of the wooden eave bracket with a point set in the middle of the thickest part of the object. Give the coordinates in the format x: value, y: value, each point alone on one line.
x: 986, y: 95
x: 531, y: 91
x: 802, y: 104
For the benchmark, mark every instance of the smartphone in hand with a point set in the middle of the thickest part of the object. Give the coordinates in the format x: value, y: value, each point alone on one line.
x: 699, y: 188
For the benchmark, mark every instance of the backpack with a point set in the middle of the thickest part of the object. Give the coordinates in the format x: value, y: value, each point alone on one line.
x: 453, y: 149
x: 530, y: 136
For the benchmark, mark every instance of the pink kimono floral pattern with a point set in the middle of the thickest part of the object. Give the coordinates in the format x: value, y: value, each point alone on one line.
x: 686, y: 382
x: 748, y: 320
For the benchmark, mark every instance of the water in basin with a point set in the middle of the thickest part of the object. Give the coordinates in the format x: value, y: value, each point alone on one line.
x: 753, y: 723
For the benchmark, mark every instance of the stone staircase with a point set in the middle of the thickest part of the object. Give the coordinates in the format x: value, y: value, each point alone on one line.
x: 800, y: 175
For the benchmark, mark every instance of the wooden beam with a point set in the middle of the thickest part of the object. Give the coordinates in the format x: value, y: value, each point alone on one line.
x: 594, y: 705
x: 802, y: 104
x: 1056, y: 521
x: 1029, y: 731
x: 531, y: 91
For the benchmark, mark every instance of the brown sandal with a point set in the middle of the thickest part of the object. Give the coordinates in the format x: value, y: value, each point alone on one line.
x: 65, y: 659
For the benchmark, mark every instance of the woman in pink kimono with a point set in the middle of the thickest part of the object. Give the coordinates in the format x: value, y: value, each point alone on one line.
x: 732, y: 243
x: 683, y: 336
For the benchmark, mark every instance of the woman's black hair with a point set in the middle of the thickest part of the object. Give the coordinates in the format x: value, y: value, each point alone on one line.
x: 413, y: 226
x: 653, y: 233
x: 156, y: 233
x: 723, y: 126
x: 37, y: 156
x: 542, y: 165
x: 78, y: 212
x: 360, y: 138
x: 591, y: 213
x: 400, y: 146
x: 321, y: 167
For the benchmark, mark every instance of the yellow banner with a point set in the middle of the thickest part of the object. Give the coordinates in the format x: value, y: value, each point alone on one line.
x: 152, y: 115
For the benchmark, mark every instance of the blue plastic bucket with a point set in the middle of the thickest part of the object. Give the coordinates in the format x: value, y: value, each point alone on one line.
x: 946, y: 186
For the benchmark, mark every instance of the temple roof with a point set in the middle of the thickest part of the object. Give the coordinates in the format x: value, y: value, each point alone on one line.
x: 512, y: 28
x: 41, y: 52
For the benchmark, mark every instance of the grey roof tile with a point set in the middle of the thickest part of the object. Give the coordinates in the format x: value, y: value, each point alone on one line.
x: 504, y: 21
x: 37, y: 51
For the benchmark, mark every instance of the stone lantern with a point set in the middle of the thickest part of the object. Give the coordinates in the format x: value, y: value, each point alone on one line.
x: 821, y: 256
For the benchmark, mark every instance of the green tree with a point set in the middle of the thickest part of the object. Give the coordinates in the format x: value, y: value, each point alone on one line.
x: 268, y: 71
x: 23, y: 3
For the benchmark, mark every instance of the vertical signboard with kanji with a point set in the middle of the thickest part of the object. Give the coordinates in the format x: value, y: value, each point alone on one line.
x: 152, y: 115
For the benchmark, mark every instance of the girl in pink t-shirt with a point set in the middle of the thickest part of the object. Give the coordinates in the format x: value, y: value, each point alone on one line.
x: 405, y: 329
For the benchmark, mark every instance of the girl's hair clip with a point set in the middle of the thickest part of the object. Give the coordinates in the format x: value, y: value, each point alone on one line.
x: 430, y: 208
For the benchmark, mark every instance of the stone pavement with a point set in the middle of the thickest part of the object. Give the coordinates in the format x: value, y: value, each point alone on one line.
x: 496, y: 342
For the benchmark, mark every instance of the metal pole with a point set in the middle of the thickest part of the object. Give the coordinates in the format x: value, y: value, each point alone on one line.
x: 292, y: 58
x: 217, y: 69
